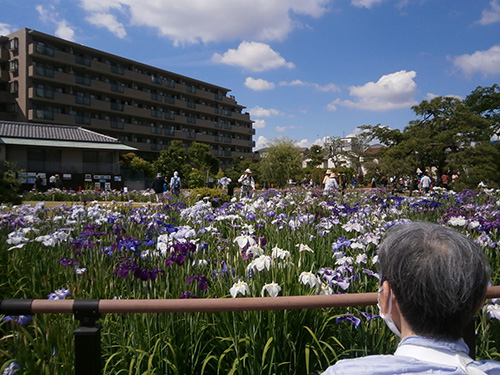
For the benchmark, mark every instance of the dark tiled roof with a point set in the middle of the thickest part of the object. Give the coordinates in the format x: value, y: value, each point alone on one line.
x: 51, y: 132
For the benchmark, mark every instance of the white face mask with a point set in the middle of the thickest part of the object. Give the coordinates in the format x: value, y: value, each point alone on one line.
x: 387, y: 317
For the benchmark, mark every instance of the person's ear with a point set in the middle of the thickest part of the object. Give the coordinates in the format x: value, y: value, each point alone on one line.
x: 384, y: 296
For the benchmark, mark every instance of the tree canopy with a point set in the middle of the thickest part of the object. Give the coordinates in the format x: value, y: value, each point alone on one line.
x: 280, y: 162
x: 449, y: 136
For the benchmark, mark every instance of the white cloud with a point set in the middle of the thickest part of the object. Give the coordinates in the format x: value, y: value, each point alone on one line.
x: 391, y: 91
x: 282, y: 129
x: 65, y: 31
x: 258, y: 84
x: 265, y: 112
x: 253, y: 56
x: 365, y: 3
x: 50, y: 15
x: 485, y: 62
x: 6, y: 29
x: 261, y: 142
x: 259, y: 124
x: 303, y: 143
x: 298, y: 82
x: 491, y: 16
x: 109, y: 22
x: 215, y: 20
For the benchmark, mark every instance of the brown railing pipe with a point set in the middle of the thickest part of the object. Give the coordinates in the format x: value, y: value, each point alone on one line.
x: 87, y: 335
x: 106, y: 306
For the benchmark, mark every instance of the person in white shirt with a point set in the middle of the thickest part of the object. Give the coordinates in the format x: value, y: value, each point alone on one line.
x: 247, y: 183
x: 433, y: 281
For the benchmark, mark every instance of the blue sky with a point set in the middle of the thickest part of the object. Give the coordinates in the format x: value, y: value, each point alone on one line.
x: 305, y: 69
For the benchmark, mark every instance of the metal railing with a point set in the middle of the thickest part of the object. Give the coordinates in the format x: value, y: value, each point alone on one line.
x: 88, y: 333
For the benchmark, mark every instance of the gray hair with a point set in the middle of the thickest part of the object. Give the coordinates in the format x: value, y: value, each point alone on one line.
x: 438, y: 276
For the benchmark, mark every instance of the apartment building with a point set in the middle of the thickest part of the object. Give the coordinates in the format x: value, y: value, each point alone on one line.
x: 48, y: 80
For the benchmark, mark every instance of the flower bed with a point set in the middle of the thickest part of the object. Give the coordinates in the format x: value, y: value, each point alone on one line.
x: 279, y: 243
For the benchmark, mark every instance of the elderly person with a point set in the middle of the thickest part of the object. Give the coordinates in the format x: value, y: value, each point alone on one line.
x: 432, y: 282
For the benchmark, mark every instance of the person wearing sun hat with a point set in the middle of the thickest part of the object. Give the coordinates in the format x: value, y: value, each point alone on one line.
x: 247, y: 183
x: 327, y: 176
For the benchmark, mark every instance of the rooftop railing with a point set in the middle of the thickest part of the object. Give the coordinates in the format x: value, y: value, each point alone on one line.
x: 88, y: 312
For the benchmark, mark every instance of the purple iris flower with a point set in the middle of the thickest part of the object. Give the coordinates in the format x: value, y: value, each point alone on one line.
x: 350, y: 318
x: 11, y: 369
x: 59, y: 294
x: 201, y: 279
x: 186, y: 295
x: 369, y: 316
x: 19, y: 319
x: 69, y: 262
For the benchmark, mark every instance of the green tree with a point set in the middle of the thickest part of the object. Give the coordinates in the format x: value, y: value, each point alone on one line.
x: 201, y: 160
x: 172, y: 159
x: 446, y: 136
x: 139, y: 164
x: 281, y: 161
x: 316, y: 156
x: 9, y: 185
x: 485, y: 101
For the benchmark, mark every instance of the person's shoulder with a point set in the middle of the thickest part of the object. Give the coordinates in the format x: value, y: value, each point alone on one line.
x: 379, y: 365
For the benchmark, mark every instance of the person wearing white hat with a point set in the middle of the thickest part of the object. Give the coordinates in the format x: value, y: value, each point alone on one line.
x: 247, y: 183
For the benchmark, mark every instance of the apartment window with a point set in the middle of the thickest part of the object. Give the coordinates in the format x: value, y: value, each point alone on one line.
x: 44, y: 70
x: 155, y: 113
x: 44, y: 49
x: 116, y: 106
x: 156, y: 97
x: 169, y: 99
x: 81, y: 118
x: 117, y: 69
x: 13, y: 108
x: 191, y: 89
x: 156, y: 80
x: 43, y: 112
x: 81, y: 98
x: 117, y: 87
x: 116, y: 124
x: 14, y: 87
x: 82, y: 79
x: 43, y: 91
x: 169, y: 83
x: 14, y: 65
x: 83, y: 60
x: 14, y: 44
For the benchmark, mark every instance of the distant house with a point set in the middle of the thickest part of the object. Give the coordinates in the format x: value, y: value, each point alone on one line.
x: 81, y: 157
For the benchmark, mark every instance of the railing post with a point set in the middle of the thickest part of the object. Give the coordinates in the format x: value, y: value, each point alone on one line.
x: 87, y: 338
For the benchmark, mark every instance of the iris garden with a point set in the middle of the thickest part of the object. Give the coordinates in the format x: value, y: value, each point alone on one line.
x: 278, y: 243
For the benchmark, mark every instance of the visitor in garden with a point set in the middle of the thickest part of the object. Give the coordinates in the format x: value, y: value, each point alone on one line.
x: 38, y: 186
x: 52, y: 182
x: 327, y: 176
x: 175, y: 184
x: 445, y: 180
x: 159, y: 186
x: 331, y: 184
x: 425, y: 183
x: 433, y: 281
x: 247, y: 183
x: 59, y: 184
